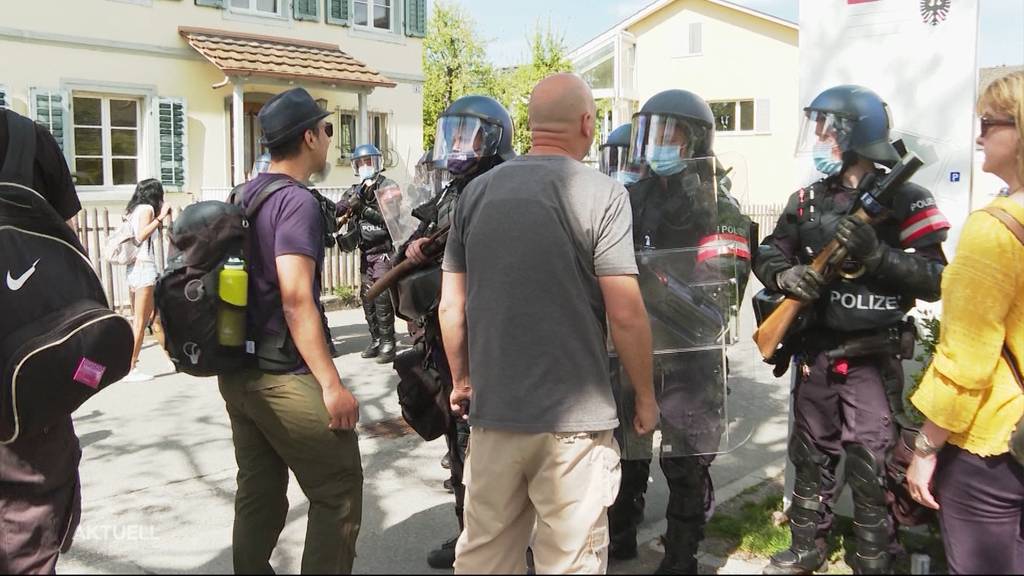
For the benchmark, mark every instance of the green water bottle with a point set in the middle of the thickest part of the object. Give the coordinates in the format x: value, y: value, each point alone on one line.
x: 234, y: 296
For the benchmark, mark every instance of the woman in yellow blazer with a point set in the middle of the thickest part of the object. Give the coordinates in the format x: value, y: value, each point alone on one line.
x: 962, y: 466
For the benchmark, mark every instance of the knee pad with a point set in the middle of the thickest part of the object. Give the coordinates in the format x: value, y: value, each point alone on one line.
x: 807, y: 462
x: 690, y: 492
x: 865, y: 474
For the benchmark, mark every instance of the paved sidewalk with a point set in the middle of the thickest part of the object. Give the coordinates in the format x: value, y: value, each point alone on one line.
x: 158, y: 470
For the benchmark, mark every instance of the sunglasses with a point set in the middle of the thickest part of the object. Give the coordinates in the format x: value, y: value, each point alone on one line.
x: 988, y: 122
x: 329, y: 129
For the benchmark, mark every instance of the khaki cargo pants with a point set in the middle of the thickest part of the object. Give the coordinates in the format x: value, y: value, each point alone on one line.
x: 280, y: 423
x: 556, y: 486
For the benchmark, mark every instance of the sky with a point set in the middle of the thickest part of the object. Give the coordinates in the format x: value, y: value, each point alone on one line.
x: 505, y: 27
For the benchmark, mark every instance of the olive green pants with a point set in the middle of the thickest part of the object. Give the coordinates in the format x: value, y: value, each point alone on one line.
x: 280, y: 423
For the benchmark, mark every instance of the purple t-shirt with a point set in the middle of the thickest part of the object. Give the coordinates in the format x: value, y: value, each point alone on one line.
x: 289, y: 222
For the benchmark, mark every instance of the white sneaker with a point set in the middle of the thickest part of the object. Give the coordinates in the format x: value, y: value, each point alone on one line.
x: 136, y: 376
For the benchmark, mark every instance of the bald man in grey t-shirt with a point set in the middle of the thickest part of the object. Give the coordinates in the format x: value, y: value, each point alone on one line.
x: 540, y: 253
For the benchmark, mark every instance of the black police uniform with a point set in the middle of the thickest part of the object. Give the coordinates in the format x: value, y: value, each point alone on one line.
x: 375, y: 246
x: 843, y: 387
x: 667, y: 214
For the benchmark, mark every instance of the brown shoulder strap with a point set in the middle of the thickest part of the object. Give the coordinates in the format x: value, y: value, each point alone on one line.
x: 1008, y: 220
x: 1017, y: 229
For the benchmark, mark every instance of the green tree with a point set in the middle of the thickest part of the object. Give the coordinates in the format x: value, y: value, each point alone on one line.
x: 548, y: 55
x: 454, y: 63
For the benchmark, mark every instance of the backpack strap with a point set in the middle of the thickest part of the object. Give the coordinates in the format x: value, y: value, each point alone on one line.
x: 1017, y: 229
x: 237, y: 195
x: 21, y: 150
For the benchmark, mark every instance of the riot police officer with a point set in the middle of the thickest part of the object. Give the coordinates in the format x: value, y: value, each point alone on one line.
x: 368, y: 232
x: 614, y: 160
x: 840, y: 397
x: 681, y: 200
x: 474, y: 134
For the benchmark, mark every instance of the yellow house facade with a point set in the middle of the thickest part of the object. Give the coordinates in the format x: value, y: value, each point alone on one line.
x: 171, y: 89
x: 744, y: 63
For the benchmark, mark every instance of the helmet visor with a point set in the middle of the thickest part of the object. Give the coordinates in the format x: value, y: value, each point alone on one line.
x: 614, y: 159
x: 461, y: 138
x: 366, y: 166
x: 821, y: 130
x: 664, y: 142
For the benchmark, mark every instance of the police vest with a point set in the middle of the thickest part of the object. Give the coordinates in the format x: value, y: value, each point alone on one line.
x: 863, y: 304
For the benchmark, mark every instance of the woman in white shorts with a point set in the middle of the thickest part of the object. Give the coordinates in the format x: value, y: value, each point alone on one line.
x: 146, y: 211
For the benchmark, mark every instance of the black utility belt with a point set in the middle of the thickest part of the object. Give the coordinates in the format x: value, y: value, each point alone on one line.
x: 898, y: 340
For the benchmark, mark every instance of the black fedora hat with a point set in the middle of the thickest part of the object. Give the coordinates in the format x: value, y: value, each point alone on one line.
x: 287, y: 115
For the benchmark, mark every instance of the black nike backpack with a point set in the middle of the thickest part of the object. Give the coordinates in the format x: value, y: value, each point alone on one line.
x: 60, y: 343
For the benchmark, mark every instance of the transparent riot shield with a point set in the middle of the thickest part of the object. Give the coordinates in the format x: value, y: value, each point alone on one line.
x: 692, y: 295
x: 396, y: 207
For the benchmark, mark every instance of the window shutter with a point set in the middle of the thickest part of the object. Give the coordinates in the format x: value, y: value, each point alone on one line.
x: 337, y: 12
x: 49, y: 108
x: 762, y: 115
x: 210, y: 3
x: 696, y: 40
x: 416, y: 18
x: 306, y: 10
x: 172, y: 122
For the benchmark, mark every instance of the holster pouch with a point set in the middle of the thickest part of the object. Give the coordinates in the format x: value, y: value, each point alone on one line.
x: 422, y: 393
x: 908, y: 338
x: 277, y: 354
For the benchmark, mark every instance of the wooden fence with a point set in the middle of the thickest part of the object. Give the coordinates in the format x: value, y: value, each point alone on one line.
x: 95, y: 225
x: 765, y: 215
x: 340, y: 270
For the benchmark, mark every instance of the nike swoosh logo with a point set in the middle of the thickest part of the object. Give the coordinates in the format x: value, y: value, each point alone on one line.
x: 15, y: 284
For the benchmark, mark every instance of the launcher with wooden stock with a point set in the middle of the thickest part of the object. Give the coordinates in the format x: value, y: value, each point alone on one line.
x: 872, y: 206
x: 434, y: 246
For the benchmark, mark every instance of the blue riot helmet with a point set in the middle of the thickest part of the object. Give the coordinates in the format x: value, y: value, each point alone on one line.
x: 474, y: 132
x: 615, y: 150
x: 670, y: 128
x: 844, y: 123
x: 366, y: 161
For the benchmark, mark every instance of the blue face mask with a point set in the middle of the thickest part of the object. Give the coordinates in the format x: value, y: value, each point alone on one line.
x: 824, y: 162
x: 665, y: 160
x: 627, y: 177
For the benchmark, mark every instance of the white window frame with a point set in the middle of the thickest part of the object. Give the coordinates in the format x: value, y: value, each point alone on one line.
x: 687, y: 37
x: 141, y: 149
x: 252, y: 11
x: 345, y: 156
x: 739, y: 116
x: 369, y: 26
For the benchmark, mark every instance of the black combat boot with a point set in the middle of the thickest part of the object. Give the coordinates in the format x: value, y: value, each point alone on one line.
x: 871, y: 522
x: 444, y: 557
x: 806, y: 553
x: 804, y: 556
x: 370, y: 311
x: 386, y: 323
x: 626, y: 514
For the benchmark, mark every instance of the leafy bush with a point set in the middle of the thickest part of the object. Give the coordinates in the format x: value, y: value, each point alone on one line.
x: 929, y: 327
x: 349, y: 296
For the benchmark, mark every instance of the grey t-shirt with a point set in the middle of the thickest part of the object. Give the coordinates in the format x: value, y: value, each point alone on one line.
x: 532, y: 236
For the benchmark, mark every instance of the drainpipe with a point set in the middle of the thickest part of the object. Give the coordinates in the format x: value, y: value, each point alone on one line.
x: 363, y: 130
x: 238, y: 132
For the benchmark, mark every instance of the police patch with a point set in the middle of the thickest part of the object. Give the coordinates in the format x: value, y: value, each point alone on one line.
x: 922, y: 223
x: 934, y: 12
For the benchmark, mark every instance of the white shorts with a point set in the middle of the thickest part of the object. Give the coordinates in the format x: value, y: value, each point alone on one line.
x: 141, y: 274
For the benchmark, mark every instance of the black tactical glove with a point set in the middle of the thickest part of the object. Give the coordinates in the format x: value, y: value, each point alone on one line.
x: 861, y: 242
x: 801, y: 281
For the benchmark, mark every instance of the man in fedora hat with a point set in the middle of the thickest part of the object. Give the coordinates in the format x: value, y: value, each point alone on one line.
x: 292, y: 411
